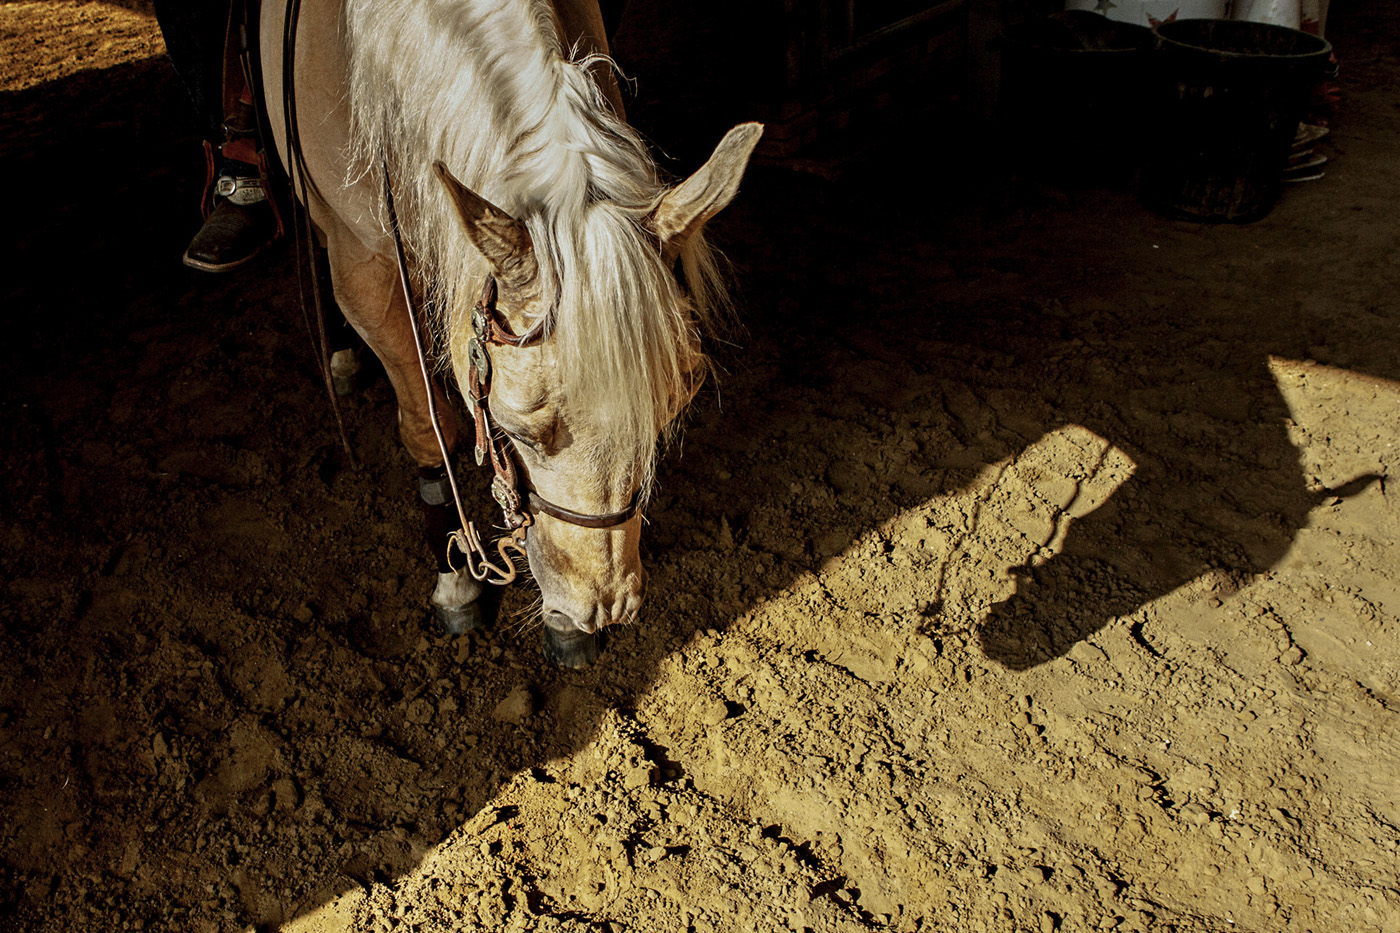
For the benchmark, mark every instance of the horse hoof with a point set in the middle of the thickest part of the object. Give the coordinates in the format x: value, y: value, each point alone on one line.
x: 461, y: 604
x: 459, y: 620
x: 345, y: 372
x: 571, y: 648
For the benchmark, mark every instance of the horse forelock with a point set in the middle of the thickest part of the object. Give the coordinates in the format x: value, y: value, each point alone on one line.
x: 488, y: 87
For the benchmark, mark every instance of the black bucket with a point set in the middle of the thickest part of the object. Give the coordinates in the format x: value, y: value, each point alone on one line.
x: 1232, y: 95
x: 1071, y: 107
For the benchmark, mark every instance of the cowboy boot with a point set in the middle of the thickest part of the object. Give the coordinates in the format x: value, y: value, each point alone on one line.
x: 240, y: 220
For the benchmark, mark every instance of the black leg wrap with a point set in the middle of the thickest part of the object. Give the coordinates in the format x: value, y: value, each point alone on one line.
x: 440, y: 518
x: 572, y: 648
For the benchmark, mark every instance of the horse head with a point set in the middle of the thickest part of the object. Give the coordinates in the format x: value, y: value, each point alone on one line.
x: 583, y: 404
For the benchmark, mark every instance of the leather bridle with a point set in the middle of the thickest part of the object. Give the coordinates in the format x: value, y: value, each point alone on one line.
x: 516, y: 502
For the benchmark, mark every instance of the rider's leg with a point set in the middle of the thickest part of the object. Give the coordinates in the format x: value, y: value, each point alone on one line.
x: 239, y: 220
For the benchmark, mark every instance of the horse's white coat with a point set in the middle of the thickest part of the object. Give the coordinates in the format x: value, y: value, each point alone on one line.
x: 455, y: 591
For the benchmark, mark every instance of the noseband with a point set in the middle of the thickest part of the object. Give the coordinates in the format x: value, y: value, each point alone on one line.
x: 517, y: 503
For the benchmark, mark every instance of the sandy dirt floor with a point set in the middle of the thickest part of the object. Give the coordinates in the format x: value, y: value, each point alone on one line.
x: 1031, y: 567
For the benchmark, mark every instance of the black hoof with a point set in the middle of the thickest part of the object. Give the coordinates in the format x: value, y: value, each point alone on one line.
x: 475, y: 615
x: 461, y: 620
x: 571, y: 648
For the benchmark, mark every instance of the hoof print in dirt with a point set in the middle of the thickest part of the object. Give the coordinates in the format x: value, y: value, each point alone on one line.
x: 571, y: 648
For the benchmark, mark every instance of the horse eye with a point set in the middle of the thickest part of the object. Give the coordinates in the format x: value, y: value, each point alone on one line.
x: 533, y: 445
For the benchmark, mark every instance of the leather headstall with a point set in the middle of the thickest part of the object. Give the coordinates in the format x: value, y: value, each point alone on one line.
x: 488, y: 330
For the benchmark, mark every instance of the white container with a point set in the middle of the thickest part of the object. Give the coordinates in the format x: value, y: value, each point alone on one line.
x: 1276, y: 12
x: 1152, y: 12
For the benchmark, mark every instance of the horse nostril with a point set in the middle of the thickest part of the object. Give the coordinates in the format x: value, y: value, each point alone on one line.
x: 629, y: 605
x: 561, y: 621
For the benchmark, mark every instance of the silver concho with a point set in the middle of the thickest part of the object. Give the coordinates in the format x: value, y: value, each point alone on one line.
x: 477, y: 355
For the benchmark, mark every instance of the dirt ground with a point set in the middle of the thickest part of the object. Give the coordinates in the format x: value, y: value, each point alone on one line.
x: 1032, y: 566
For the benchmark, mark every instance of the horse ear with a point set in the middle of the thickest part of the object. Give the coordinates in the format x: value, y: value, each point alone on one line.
x: 688, y: 206
x: 499, y: 237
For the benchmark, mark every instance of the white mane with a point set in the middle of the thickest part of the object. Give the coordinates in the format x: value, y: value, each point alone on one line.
x: 487, y: 87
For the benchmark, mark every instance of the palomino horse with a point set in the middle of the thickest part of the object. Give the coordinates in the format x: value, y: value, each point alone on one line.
x: 499, y: 126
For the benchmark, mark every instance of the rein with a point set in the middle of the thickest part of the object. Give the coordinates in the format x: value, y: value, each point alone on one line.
x: 516, y: 502
x: 298, y: 177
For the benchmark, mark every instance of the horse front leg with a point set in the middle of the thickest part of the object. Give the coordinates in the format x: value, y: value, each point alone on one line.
x: 458, y: 600
x: 367, y: 289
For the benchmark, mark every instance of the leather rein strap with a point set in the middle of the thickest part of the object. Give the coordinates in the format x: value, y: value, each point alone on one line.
x: 516, y: 502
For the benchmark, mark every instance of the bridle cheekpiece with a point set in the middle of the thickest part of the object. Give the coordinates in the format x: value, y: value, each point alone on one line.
x: 517, y: 504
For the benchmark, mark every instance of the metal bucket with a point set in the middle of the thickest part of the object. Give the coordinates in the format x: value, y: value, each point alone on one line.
x: 1231, y: 95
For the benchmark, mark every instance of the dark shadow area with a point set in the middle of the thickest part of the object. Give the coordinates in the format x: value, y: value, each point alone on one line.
x: 218, y: 703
